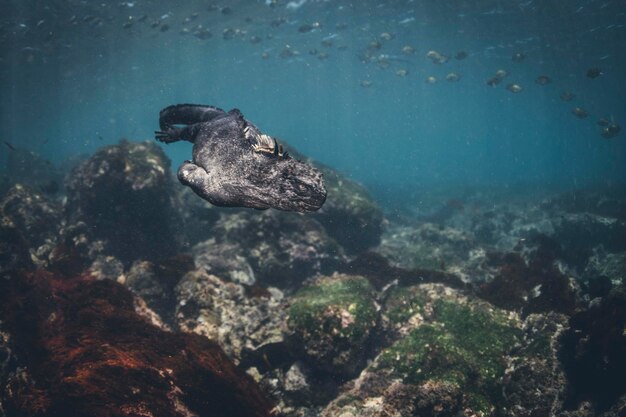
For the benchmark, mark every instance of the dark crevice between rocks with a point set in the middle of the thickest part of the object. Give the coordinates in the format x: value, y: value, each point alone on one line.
x: 532, y: 286
x: 83, y: 350
x: 377, y: 269
x: 593, y: 353
x: 155, y: 281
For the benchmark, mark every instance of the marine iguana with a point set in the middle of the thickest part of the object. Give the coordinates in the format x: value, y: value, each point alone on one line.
x: 235, y: 165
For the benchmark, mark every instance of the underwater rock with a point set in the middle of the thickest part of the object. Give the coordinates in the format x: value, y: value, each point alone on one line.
x: 282, y: 248
x: 245, y: 321
x: 350, y: 215
x: 593, y: 353
x: 447, y: 356
x: 531, y: 281
x: 380, y: 273
x: 82, y: 350
x: 427, y: 246
x: 107, y: 267
x: 155, y: 281
x: 6, y: 363
x: 224, y: 260
x: 123, y: 193
x: 579, y: 233
x: 600, y: 201
x: 36, y: 217
x: 534, y: 382
x: 331, y: 320
x: 607, y: 267
x: 14, y: 252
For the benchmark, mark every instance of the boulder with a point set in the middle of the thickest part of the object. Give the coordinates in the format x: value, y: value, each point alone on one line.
x: 81, y: 349
x: 331, y: 322
x: 124, y: 194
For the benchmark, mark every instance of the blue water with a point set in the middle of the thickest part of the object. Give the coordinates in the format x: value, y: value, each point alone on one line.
x: 68, y: 89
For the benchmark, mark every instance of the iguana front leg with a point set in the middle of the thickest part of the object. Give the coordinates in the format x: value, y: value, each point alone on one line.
x: 170, y: 134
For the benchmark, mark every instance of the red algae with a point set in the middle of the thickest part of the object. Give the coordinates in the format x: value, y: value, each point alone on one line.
x: 83, y: 350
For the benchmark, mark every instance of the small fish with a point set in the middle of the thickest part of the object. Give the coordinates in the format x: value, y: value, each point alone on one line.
x: 366, y: 83
x: 190, y: 18
x: 594, y: 73
x: 9, y: 145
x: 518, y: 57
x: 408, y: 50
x: 514, y: 88
x: 374, y: 45
x: 322, y: 55
x: 255, y: 39
x: 305, y: 28
x: 501, y: 73
x: 50, y: 186
x: 543, y: 80
x: 567, y: 96
x: 453, y: 77
x: 402, y: 72
x: 228, y: 33
x: 610, y: 131
x: 437, y: 57
x: 580, y: 112
x: 288, y: 52
x: 603, y: 122
x: 202, y: 34
x: 431, y: 79
x: 493, y: 81
x: 461, y: 55
x: 386, y: 36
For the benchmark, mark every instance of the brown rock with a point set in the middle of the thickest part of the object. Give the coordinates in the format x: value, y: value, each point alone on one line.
x: 82, y: 350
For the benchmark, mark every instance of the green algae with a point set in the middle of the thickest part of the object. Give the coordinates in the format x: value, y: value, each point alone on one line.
x: 316, y: 309
x: 465, y: 346
x: 403, y: 303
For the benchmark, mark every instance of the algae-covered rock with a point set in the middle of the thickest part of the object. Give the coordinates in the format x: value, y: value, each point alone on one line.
x: 350, y: 215
x: 448, y: 355
x: 124, y: 194
x: 464, y: 346
x: 332, y: 320
x: 534, y: 382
